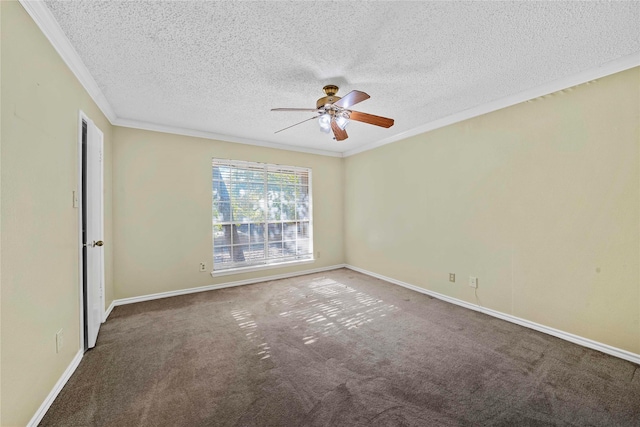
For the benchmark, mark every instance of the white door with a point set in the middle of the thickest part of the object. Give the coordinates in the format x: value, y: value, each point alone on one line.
x: 94, y: 232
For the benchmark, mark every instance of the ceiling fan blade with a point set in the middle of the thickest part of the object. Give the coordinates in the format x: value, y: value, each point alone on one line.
x: 340, y: 134
x: 306, y: 120
x: 313, y: 110
x: 371, y: 119
x: 352, y: 98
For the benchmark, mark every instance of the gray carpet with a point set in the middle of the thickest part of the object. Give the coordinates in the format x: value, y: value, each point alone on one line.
x: 336, y: 349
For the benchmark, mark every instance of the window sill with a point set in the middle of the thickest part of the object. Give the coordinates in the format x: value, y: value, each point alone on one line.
x: 241, y: 270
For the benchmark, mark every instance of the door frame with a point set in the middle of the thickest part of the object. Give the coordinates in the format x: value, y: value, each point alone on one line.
x: 82, y: 117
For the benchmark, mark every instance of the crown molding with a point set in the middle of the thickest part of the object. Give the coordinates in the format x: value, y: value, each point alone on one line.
x: 136, y: 124
x: 52, y: 31
x: 49, y: 26
x: 612, y: 67
x: 47, y: 23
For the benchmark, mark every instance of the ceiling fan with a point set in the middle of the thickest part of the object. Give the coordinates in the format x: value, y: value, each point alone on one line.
x: 333, y: 112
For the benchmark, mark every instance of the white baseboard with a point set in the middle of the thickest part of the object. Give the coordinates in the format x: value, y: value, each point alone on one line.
x: 108, y: 312
x: 42, y: 410
x: 150, y: 297
x: 585, y: 342
x: 35, y: 420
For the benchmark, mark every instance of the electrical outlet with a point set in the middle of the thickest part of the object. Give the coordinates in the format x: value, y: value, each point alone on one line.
x: 59, y: 340
x: 473, y: 282
x: 317, y: 254
x: 203, y: 266
x: 452, y: 277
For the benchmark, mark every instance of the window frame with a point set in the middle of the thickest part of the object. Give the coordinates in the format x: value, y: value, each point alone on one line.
x: 264, y: 263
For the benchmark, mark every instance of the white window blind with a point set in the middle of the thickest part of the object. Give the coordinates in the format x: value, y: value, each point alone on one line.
x: 261, y: 214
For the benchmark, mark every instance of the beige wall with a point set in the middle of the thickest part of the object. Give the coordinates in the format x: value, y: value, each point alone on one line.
x: 39, y: 226
x: 540, y: 201
x: 162, y: 209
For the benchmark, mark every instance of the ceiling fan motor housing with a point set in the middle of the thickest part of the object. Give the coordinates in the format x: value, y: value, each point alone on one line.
x: 330, y: 91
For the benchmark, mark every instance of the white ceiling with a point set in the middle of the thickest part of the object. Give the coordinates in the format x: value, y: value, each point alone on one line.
x: 219, y: 67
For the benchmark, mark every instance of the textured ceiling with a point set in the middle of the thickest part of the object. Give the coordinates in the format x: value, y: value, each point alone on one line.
x: 221, y: 66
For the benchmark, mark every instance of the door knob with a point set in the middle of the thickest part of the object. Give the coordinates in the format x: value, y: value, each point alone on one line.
x: 98, y: 243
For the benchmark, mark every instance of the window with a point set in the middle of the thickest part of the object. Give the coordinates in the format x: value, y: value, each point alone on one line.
x: 261, y: 214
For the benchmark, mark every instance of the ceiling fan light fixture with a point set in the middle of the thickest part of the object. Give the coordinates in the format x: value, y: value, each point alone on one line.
x: 342, y: 122
x: 325, y: 123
